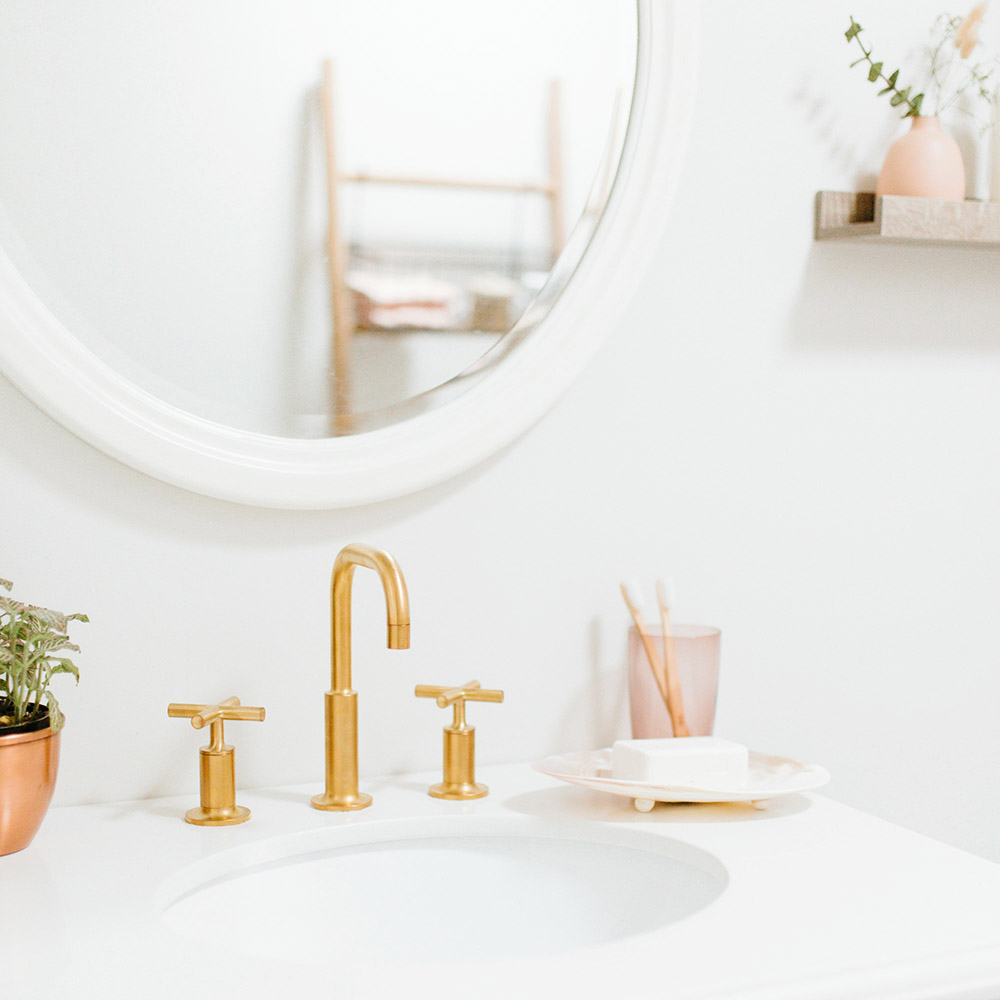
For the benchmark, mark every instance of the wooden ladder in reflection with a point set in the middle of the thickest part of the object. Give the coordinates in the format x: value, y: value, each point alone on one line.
x: 341, y: 314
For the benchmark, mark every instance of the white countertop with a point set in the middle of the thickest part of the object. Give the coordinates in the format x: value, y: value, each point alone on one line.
x: 822, y: 901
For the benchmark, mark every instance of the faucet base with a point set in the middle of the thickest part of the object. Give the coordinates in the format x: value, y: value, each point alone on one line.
x: 341, y: 803
x: 458, y: 790
x: 217, y: 817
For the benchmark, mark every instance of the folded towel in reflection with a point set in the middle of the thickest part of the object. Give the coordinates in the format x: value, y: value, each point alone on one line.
x: 403, y: 301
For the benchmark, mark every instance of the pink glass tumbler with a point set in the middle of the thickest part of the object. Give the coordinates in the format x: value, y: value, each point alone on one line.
x: 697, y: 648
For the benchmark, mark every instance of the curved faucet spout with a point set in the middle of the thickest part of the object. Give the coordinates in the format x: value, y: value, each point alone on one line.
x: 397, y: 606
x: 341, y: 701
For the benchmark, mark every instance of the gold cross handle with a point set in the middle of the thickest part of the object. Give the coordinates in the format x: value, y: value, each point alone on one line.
x: 218, y: 771
x: 459, y: 740
x: 215, y: 715
x: 457, y: 696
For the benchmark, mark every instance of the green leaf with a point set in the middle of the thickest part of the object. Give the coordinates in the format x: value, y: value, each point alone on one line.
x: 56, y: 718
x: 893, y: 78
x: 6, y: 584
x: 53, y: 619
x: 875, y: 72
x: 42, y: 641
x: 853, y: 30
x: 896, y: 100
x: 916, y: 104
x: 65, y: 667
x: 55, y: 643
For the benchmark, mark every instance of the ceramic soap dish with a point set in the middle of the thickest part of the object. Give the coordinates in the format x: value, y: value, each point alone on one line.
x: 769, y: 778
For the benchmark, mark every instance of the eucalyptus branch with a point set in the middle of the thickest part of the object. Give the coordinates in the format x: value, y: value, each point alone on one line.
x: 875, y: 74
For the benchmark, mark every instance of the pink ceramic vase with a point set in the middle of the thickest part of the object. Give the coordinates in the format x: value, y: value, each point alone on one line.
x: 924, y: 163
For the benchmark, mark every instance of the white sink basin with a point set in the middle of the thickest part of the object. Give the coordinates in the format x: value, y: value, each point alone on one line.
x: 456, y: 888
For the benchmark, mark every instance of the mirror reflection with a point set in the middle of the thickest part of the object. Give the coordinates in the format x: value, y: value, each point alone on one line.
x: 306, y: 218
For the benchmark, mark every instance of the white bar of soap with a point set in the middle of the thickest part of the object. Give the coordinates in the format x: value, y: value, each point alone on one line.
x: 686, y: 761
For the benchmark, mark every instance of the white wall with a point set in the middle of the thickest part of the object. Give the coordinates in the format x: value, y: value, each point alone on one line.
x: 804, y: 435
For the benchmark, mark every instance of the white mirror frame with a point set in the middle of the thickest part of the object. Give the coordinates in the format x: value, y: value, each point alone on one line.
x: 73, y: 386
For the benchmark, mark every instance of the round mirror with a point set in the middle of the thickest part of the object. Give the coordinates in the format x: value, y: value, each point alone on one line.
x: 327, y: 251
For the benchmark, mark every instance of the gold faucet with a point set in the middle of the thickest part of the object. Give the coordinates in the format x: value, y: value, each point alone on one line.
x: 218, y: 772
x: 459, y: 740
x: 341, y: 702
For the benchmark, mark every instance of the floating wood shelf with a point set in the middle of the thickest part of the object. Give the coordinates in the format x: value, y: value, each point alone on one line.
x: 893, y: 219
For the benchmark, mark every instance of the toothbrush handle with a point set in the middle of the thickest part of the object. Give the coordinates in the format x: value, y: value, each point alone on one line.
x: 656, y: 665
x: 675, y: 699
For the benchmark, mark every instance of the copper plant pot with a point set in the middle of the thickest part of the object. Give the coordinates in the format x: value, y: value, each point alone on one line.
x: 28, y: 766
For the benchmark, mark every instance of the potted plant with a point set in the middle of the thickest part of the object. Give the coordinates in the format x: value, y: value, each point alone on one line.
x: 32, y: 640
x: 926, y: 161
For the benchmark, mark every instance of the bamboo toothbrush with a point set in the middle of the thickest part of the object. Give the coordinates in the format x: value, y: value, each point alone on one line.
x: 633, y: 600
x: 675, y: 700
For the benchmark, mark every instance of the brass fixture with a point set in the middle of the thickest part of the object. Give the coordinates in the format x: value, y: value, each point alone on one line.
x: 218, y: 773
x: 459, y: 740
x: 341, y: 702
